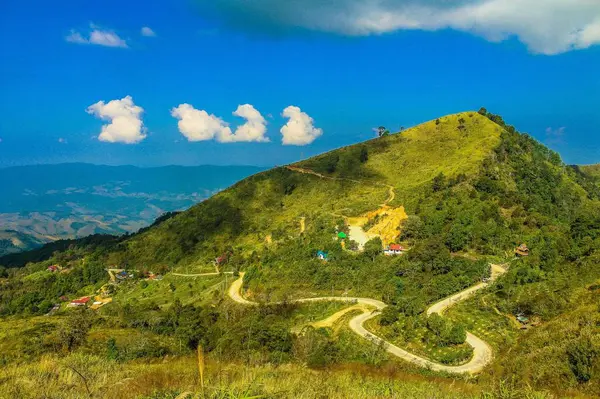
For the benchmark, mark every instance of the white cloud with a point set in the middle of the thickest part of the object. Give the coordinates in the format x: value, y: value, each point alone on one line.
x: 299, y: 130
x: 98, y: 36
x: 125, y: 118
x: 146, y: 31
x: 254, y: 129
x: 199, y: 125
x: 76, y: 37
x: 545, y: 26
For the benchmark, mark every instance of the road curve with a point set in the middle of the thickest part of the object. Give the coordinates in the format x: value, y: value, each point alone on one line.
x: 200, y: 274
x: 482, y: 352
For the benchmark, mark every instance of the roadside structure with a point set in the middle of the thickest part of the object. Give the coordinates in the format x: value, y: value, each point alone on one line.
x: 394, y: 249
x: 83, y: 301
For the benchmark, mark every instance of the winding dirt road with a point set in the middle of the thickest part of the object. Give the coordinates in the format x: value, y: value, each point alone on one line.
x: 482, y: 352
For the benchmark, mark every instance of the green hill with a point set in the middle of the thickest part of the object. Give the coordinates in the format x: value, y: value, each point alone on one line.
x: 460, y: 191
x: 271, y: 203
x: 591, y: 170
x: 13, y: 241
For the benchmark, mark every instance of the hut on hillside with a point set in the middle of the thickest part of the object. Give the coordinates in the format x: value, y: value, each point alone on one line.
x: 394, y: 249
x: 322, y: 255
x: 79, y: 302
x: 522, y: 250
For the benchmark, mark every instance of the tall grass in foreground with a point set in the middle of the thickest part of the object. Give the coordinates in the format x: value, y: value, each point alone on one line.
x: 85, y: 376
x: 201, y: 367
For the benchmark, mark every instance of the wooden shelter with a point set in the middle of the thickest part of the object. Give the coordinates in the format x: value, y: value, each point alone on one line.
x: 522, y: 250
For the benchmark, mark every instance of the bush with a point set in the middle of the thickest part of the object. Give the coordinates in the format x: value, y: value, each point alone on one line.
x: 317, y: 348
x: 582, y: 354
x: 389, y: 316
x: 456, y: 335
x: 75, y: 329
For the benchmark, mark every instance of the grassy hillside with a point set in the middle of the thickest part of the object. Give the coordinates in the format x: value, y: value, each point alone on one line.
x: 453, y: 145
x: 473, y: 188
x: 591, y: 170
x: 271, y: 203
x: 13, y: 241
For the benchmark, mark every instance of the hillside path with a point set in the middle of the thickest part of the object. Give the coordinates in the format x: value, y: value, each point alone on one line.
x: 215, y: 273
x: 356, y: 231
x: 391, y: 192
x: 482, y: 352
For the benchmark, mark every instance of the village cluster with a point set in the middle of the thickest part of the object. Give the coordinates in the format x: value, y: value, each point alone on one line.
x: 104, y: 294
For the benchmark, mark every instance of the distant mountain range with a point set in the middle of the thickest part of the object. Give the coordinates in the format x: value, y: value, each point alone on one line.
x: 44, y: 203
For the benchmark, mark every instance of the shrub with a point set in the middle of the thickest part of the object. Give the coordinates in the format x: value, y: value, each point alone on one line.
x: 582, y: 354
x: 389, y: 316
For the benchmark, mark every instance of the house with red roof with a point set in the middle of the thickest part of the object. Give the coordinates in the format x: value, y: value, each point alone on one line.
x: 394, y: 249
x: 79, y: 302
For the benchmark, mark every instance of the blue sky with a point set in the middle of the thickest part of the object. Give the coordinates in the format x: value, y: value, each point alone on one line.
x: 335, y: 71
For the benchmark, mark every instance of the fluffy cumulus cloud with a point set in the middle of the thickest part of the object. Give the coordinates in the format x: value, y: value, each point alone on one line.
x: 125, y: 121
x: 545, y: 26
x: 254, y: 129
x: 97, y: 36
x: 300, y: 129
x: 146, y: 31
x: 199, y: 125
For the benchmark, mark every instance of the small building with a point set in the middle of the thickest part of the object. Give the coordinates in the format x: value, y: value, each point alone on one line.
x: 222, y: 259
x: 394, y: 249
x: 79, y: 302
x: 322, y: 255
x: 152, y: 276
x: 53, y: 268
x: 342, y: 236
x: 522, y: 250
x: 122, y: 275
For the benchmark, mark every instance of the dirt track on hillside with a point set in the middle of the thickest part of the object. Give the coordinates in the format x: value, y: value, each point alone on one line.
x: 482, y: 352
x: 356, y: 232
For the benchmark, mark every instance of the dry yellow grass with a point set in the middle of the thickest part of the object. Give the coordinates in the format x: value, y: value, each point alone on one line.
x: 96, y: 377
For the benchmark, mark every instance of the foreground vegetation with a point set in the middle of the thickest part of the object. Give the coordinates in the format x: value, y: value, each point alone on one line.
x: 78, y: 376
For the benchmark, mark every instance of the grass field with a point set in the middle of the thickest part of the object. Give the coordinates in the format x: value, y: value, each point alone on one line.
x: 189, y: 290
